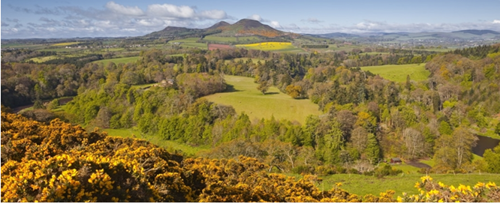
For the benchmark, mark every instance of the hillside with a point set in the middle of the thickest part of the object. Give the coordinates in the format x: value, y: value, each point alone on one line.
x: 477, y: 32
x: 244, y: 27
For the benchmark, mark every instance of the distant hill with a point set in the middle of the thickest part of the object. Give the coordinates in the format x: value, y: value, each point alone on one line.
x: 477, y: 32
x: 334, y: 35
x: 218, y: 25
x: 251, y: 27
x: 244, y: 27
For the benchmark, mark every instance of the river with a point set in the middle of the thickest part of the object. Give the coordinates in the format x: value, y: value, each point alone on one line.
x: 483, y: 144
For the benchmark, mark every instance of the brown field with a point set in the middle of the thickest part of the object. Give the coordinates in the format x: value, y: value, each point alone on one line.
x: 219, y: 46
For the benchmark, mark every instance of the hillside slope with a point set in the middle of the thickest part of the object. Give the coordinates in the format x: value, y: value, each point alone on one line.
x: 244, y: 27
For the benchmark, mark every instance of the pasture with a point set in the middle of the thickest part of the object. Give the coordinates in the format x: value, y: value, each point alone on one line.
x: 119, y: 60
x: 246, y: 98
x: 43, y: 59
x: 171, y: 146
x: 189, y: 43
x: 362, y: 185
x: 398, y: 73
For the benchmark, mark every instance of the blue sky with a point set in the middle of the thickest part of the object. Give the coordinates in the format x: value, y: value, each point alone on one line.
x: 96, y: 18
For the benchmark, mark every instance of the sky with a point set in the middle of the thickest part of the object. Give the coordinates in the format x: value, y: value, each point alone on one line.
x: 118, y: 18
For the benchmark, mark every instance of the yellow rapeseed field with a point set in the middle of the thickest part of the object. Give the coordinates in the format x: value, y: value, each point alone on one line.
x: 65, y: 44
x: 268, y: 46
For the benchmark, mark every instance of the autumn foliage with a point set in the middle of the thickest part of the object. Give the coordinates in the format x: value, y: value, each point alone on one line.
x: 61, y: 162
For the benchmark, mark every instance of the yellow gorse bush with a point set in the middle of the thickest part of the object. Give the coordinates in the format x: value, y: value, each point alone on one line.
x: 439, y: 192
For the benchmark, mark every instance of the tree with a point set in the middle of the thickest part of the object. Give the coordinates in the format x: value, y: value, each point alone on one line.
x: 408, y: 83
x: 464, y: 141
x: 414, y: 141
x: 497, y: 129
x: 359, y: 139
x: 455, y: 150
x: 333, y: 142
x: 492, y: 158
x: 263, y: 86
x: 372, y: 150
x: 294, y: 91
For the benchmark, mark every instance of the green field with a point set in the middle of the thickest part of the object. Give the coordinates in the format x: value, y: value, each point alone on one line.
x: 362, y: 185
x: 171, y: 146
x: 190, y: 42
x: 43, y: 59
x: 120, y: 60
x: 246, y: 98
x: 398, y: 73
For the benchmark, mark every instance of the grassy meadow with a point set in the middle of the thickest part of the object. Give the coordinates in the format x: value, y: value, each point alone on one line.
x: 246, y: 98
x: 43, y: 59
x: 362, y: 185
x: 119, y: 60
x: 190, y: 43
x: 398, y: 73
x: 171, y: 146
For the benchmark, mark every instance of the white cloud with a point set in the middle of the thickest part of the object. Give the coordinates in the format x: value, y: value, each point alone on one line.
x: 256, y: 17
x: 151, y: 22
x: 213, y: 14
x: 275, y: 24
x: 120, y: 9
x: 312, y: 20
x: 169, y: 10
x: 496, y: 21
x: 112, y: 20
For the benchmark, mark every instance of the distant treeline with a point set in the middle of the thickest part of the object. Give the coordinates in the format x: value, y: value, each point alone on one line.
x: 314, y: 46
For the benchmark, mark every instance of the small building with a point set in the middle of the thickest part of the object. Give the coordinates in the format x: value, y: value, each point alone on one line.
x: 396, y: 161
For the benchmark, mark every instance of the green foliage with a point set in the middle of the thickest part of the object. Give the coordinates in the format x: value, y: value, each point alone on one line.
x: 497, y: 129
x: 386, y: 170
x: 445, y: 128
x: 492, y: 158
x: 455, y: 151
x: 372, y: 150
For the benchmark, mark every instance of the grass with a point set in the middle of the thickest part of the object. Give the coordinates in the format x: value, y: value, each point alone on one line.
x: 43, y: 59
x: 246, y: 98
x: 140, y: 86
x: 171, y: 146
x: 120, y: 60
x: 362, y: 185
x: 190, y: 42
x: 398, y: 73
x: 406, y: 168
